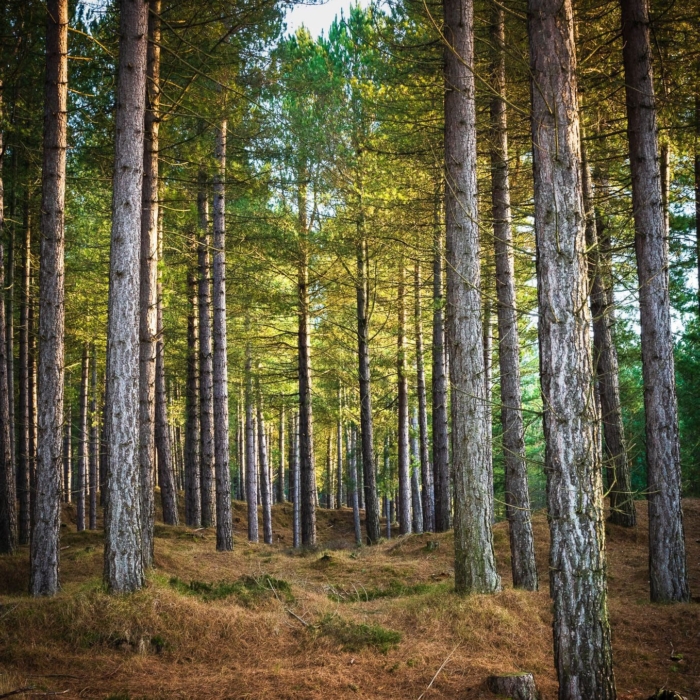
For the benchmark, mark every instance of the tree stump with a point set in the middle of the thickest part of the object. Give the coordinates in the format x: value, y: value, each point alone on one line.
x: 517, y: 686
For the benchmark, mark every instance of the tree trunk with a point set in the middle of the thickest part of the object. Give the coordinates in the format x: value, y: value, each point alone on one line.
x: 404, y: 455
x: 329, y: 472
x: 124, y: 569
x: 696, y: 172
x: 104, y: 444
x: 94, y: 441
x: 83, y: 439
x: 68, y: 450
x: 441, y: 467
x: 352, y: 486
x: 47, y: 511
x: 265, y: 485
x: 23, y: 454
x: 366, y: 421
x: 224, y: 523
x: 251, y: 471
x: 149, y: 284
x: 622, y: 511
x: 339, y: 453
x: 388, y: 514
x: 307, y: 466
x: 206, y: 387
x: 294, y: 487
x: 475, y: 569
x: 522, y: 547
x: 193, y: 494
x: 667, y: 563
x: 572, y: 462
x: 280, y: 472
x: 417, y: 519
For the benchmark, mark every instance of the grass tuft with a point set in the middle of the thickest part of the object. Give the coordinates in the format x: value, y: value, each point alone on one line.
x: 354, y: 637
x: 248, y: 590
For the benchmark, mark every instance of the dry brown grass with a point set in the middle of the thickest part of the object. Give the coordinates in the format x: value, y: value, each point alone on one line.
x: 166, y: 643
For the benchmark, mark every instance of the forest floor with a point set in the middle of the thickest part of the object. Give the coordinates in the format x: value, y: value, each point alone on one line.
x: 335, y: 622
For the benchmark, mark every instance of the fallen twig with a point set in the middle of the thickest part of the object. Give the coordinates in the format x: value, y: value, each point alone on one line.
x: 17, y: 691
x: 437, y: 673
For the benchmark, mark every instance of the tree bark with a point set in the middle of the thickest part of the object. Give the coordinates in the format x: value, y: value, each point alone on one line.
x: 83, y: 439
x: 22, y: 447
x: 522, y: 547
x: 418, y: 518
x: 339, y: 491
x: 696, y: 173
x: 68, y: 450
x: 193, y: 494
x: 475, y: 569
x: 149, y: 285
x: 251, y: 471
x: 124, y: 569
x: 265, y: 485
x: 667, y: 562
x: 404, y: 456
x: 281, y: 466
x: 371, y: 501
x: 351, y: 442
x: 329, y: 473
x: 441, y: 467
x: 572, y: 462
x: 94, y: 441
x: 206, y: 386
x: 224, y: 523
x: 294, y: 487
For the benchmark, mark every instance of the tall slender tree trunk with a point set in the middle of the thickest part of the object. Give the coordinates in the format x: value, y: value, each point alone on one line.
x: 282, y: 456
x: 307, y: 466
x: 104, y: 444
x: 572, y: 462
x: 371, y: 500
x: 251, y: 471
x: 330, y: 500
x: 441, y: 467
x: 522, y: 547
x: 193, y: 494
x: 475, y: 569
x: 124, y: 569
x: 416, y: 497
x: 149, y: 283
x: 667, y: 563
x: 353, y: 484
x: 265, y: 485
x: 83, y: 439
x: 426, y: 472
x: 94, y: 441
x: 622, y: 511
x: 224, y: 522
x: 339, y: 454
x: 696, y: 172
x: 68, y: 450
x: 22, y: 447
x: 206, y: 362
x: 295, y: 487
x: 44, y: 567
x: 404, y: 454
x: 31, y: 390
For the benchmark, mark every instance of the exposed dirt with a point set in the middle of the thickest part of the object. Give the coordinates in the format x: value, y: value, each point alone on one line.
x: 256, y: 638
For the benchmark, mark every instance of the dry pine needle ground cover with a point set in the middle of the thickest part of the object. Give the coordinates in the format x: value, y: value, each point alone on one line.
x: 336, y: 622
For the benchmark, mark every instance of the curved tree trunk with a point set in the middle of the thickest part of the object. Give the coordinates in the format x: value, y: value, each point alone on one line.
x: 522, y: 547
x: 667, y: 565
x: 123, y: 554
x: 572, y: 462
x: 475, y: 568
x: 44, y: 576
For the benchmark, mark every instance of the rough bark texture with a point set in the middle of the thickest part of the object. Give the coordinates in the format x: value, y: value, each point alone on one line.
x: 123, y: 557
x: 622, y: 510
x: 441, y: 466
x: 427, y: 487
x: 193, y: 494
x: 475, y: 569
x: 46, y: 513
x: 265, y: 485
x: 371, y: 501
x: 667, y: 564
x: 582, y: 648
x: 224, y: 523
x: 82, y: 440
x: 94, y: 441
x: 22, y: 447
x: 251, y: 472
x: 522, y: 548
x: 404, y: 456
x: 206, y: 363
x: 149, y: 283
x: 519, y: 686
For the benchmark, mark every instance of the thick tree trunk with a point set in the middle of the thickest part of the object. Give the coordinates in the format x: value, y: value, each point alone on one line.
x: 94, y: 442
x: 426, y: 472
x: 667, y: 563
x: 582, y: 648
x: 522, y: 548
x: 307, y: 465
x: 417, y: 505
x: 47, y: 511
x: 371, y: 501
x: 224, y: 523
x: 149, y: 283
x: 441, y: 467
x: 281, y: 466
x: 404, y: 456
x: 251, y: 471
x: 83, y: 439
x: 124, y: 569
x: 193, y: 494
x: 622, y: 511
x: 475, y: 569
x: 265, y: 485
x: 23, y: 417
x: 206, y: 363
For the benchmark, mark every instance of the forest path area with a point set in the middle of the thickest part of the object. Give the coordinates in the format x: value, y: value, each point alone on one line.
x: 336, y: 622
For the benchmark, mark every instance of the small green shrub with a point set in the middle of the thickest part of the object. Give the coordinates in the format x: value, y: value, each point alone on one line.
x: 354, y: 637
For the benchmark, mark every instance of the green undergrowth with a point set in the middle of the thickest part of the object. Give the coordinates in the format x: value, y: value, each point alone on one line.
x: 395, y: 589
x: 248, y: 590
x: 354, y: 637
